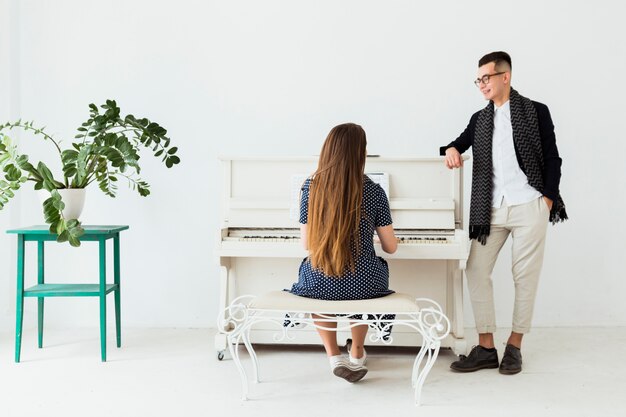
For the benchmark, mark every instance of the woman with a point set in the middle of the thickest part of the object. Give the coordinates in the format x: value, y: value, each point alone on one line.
x: 340, y: 209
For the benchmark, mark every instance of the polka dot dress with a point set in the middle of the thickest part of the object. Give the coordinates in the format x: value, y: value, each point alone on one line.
x: 371, y: 276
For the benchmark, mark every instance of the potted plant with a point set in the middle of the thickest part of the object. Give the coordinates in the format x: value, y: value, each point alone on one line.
x: 105, y: 150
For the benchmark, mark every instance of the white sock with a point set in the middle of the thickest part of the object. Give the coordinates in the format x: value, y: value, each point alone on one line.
x: 334, y: 360
x: 358, y: 361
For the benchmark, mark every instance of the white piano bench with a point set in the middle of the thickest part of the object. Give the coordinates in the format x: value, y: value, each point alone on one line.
x: 423, y: 315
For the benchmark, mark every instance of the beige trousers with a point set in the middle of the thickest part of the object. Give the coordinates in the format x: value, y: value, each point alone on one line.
x: 527, y: 223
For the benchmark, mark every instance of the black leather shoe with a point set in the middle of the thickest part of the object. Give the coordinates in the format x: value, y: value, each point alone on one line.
x: 478, y: 358
x: 511, y: 361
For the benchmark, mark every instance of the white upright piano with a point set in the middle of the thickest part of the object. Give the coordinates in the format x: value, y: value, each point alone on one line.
x: 259, y: 248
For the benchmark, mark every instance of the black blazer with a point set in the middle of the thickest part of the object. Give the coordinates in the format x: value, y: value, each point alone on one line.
x: 551, y: 159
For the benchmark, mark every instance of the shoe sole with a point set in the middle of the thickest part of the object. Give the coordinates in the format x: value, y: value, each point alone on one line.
x: 349, y: 374
x: 510, y: 371
x: 476, y: 368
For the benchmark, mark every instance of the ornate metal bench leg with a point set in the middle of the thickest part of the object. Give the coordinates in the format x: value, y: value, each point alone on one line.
x: 252, y: 353
x: 431, y: 351
x: 417, y: 363
x: 233, y: 346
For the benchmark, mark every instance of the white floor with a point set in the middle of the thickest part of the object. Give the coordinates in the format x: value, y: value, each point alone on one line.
x: 174, y: 372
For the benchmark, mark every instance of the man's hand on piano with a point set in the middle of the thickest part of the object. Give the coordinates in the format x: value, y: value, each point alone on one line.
x: 453, y: 158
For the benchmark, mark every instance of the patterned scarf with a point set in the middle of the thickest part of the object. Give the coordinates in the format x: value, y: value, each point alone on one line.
x: 527, y: 143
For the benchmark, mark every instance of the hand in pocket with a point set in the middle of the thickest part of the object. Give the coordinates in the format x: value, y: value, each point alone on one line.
x: 548, y: 202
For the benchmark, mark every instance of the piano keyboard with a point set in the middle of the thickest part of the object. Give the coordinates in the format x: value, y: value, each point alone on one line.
x: 420, y: 240
x: 402, y: 240
x: 285, y: 239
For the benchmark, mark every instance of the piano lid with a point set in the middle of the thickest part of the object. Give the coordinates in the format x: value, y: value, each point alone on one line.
x: 263, y: 192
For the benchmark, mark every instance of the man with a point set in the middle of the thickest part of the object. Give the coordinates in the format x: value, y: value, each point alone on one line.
x: 515, y: 190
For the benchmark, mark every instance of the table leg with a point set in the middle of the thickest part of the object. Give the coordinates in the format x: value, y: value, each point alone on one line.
x: 19, y: 305
x: 40, y: 280
x: 103, y: 300
x: 116, y: 278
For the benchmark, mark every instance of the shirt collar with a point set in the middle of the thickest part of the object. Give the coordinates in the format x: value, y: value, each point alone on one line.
x: 506, y: 107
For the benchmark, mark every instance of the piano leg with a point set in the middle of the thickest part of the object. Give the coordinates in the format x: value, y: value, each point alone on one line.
x: 460, y: 347
x: 221, y: 342
x: 455, y: 305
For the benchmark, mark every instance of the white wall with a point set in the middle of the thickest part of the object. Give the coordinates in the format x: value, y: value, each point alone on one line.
x: 9, y: 96
x: 271, y: 78
x: 4, y: 111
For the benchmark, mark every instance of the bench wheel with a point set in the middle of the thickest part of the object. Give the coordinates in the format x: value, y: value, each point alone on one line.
x: 220, y: 355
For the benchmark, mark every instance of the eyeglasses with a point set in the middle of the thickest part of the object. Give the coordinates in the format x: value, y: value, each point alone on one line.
x: 485, y: 78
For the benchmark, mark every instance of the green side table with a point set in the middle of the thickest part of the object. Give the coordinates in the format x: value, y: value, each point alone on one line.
x: 41, y: 234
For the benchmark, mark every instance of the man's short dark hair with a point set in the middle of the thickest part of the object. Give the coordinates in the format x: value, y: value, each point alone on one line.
x: 499, y: 58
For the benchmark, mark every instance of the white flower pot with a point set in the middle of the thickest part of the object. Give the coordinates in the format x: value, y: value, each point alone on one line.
x: 73, y: 198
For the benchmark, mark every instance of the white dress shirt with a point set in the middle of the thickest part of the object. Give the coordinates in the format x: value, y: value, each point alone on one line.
x: 510, y: 184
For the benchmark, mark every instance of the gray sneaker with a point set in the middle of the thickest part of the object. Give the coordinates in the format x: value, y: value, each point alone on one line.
x: 349, y: 371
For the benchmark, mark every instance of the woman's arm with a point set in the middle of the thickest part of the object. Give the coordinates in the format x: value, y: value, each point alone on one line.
x: 387, y: 238
x: 303, y: 236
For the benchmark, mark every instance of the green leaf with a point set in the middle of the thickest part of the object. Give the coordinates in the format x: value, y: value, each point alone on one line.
x: 75, y: 231
x: 49, y: 182
x: 61, y: 227
x: 172, y: 160
x: 69, y: 155
x: 63, y: 236
x: 52, y: 216
x: 12, y: 172
x: 21, y: 160
x: 69, y: 170
x: 58, y: 204
x: 142, y: 188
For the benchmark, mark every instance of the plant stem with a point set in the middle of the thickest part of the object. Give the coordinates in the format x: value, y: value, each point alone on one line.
x: 27, y: 127
x: 92, y: 164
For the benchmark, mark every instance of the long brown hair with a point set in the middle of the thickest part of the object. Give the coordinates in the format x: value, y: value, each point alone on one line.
x: 335, y: 197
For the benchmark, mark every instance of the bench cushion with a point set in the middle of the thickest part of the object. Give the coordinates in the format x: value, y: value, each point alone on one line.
x: 285, y: 301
